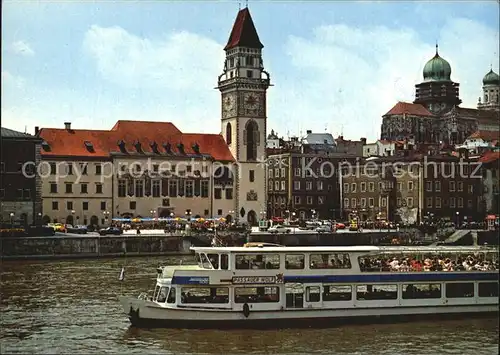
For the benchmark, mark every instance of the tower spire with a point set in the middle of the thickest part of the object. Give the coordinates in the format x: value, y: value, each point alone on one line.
x: 437, y: 48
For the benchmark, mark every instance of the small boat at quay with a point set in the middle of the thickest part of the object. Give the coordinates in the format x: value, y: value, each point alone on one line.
x: 267, y: 286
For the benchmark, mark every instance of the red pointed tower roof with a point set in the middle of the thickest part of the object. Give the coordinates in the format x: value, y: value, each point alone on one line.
x: 244, y: 33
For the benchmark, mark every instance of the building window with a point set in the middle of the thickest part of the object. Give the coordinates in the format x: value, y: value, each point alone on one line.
x: 282, y: 186
x: 296, y: 185
x: 353, y: 187
x: 172, y: 188
x: 85, y: 206
x: 363, y: 202
x: 219, y: 212
x: 371, y: 186
x: 353, y: 203
x: 363, y: 187
x: 270, y: 186
x: 69, y: 188
x: 53, y: 188
x: 471, y: 188
x: 103, y: 205
x: 189, y: 188
x: 156, y: 188
x: 428, y: 186
x: 251, y: 136
x: 451, y: 186
x: 53, y: 168
x: 70, y: 168
x: 429, y: 202
x: 346, y: 203
x: 98, y: 169
x: 297, y: 172
x: 156, y: 168
x: 320, y: 185
x: 460, y: 202
x: 438, y: 202
x: 132, y: 205
x: 69, y: 205
x: 410, y: 202
x: 309, y: 185
x: 371, y: 202
x: 229, y: 194
x: 277, y: 185
x: 452, y: 202
x: 249, y: 73
x: 437, y: 186
x: 410, y: 185
x: 276, y: 173
x: 98, y: 188
x: 309, y: 200
x: 139, y: 188
x: 469, y: 204
x: 400, y: 186
x: 55, y: 205
x: 283, y: 172
x: 83, y: 188
x: 296, y: 200
x: 398, y: 201
x: 346, y: 187
x: 251, y: 175
x: 204, y: 188
x: 270, y: 173
x: 217, y: 193
x: 321, y: 200
x: 122, y: 188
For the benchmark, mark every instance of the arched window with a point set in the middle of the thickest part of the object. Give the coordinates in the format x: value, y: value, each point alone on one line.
x: 485, y: 98
x: 229, y: 133
x: 252, y: 138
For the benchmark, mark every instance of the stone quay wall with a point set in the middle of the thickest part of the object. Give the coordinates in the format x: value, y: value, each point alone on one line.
x: 91, y: 246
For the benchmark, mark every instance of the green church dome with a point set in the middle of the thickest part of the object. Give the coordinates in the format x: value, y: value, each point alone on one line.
x: 437, y: 69
x: 491, y: 78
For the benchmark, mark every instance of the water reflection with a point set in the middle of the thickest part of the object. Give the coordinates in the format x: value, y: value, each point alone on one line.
x: 71, y: 307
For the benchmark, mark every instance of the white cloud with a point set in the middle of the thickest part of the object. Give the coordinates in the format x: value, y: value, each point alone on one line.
x: 10, y: 81
x: 349, y: 77
x: 181, y: 61
x: 22, y: 48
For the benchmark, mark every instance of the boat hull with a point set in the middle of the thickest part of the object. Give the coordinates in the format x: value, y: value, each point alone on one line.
x: 146, y: 314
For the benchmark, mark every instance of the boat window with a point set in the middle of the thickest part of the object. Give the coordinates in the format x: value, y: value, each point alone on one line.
x: 224, y: 261
x: 198, y: 295
x: 488, y: 289
x: 337, y: 293
x: 162, y: 295
x: 376, y: 292
x: 256, y: 294
x: 294, y: 261
x: 214, y: 260
x: 171, y: 295
x: 330, y: 261
x: 460, y: 290
x: 198, y: 260
x: 205, y: 262
x: 155, y: 293
x: 259, y: 261
x: 313, y: 294
x: 420, y: 291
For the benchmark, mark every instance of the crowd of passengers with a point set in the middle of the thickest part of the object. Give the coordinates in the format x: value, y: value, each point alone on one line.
x: 435, y: 263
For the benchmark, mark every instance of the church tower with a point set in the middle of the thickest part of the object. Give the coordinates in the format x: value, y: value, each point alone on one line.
x: 437, y: 92
x: 243, y: 85
x: 491, y: 92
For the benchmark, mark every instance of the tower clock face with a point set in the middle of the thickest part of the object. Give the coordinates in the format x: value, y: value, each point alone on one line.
x: 228, y: 106
x: 251, y: 101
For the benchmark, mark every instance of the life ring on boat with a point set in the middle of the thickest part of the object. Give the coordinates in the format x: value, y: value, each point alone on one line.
x: 246, y: 310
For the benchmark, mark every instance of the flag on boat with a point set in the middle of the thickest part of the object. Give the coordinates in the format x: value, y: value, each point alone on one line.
x: 122, y: 275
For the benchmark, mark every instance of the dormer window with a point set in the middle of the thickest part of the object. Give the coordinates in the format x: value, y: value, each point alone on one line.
x: 168, y: 148
x: 121, y: 145
x: 196, y: 148
x: 89, y: 146
x: 138, y: 146
x: 154, y: 148
x: 46, y: 146
x: 180, y: 146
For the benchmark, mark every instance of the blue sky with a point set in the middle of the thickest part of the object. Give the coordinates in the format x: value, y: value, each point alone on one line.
x: 335, y: 65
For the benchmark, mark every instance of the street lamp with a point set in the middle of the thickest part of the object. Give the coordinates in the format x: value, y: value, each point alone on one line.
x: 12, y: 218
x: 313, y: 212
x: 188, y: 215
x: 231, y: 213
x: 458, y: 219
x: 106, y: 214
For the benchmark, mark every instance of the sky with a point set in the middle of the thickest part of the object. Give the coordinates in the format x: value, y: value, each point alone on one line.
x: 336, y: 66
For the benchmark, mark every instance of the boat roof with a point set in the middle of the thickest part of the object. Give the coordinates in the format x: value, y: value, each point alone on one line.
x: 351, y: 249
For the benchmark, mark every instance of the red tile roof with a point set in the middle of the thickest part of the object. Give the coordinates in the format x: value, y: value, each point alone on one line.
x: 487, y: 136
x: 489, y: 157
x: 244, y: 33
x: 409, y: 108
x: 62, y: 142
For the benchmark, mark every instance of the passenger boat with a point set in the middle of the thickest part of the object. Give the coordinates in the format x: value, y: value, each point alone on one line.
x: 275, y: 286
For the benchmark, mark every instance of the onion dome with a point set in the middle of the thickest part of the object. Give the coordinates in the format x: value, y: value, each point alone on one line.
x: 491, y: 78
x: 437, y: 69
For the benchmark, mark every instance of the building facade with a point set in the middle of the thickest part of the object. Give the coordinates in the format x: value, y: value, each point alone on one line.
x: 491, y: 182
x: 20, y: 185
x: 408, y: 189
x: 435, y: 116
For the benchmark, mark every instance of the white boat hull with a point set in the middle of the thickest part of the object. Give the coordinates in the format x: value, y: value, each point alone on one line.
x: 149, y: 314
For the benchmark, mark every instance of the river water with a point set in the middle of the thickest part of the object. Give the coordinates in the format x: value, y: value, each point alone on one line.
x: 71, y: 307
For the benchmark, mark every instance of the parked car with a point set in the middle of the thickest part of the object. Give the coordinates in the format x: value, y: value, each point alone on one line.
x: 59, y: 227
x: 76, y: 229
x: 279, y: 229
x: 340, y: 226
x: 323, y: 229
x: 110, y: 230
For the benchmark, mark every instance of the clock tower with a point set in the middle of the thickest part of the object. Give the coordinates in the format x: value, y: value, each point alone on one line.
x: 243, y: 85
